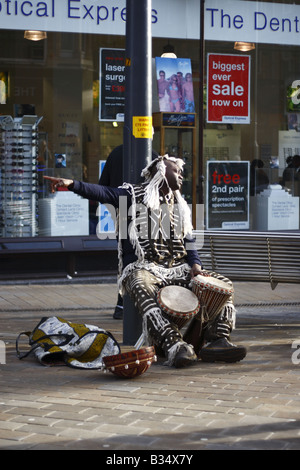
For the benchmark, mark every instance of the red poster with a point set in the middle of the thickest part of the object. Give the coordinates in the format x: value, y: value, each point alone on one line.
x: 228, y: 88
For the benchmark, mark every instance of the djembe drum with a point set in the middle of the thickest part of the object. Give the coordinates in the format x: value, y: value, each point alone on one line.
x: 213, y: 294
x: 178, y: 304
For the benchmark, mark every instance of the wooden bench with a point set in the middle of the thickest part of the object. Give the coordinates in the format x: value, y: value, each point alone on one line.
x: 240, y: 256
x: 251, y: 256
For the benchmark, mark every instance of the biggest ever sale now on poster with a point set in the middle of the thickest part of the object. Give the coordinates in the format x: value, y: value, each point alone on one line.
x: 228, y: 88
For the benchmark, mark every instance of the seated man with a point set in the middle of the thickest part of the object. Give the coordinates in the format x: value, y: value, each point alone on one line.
x: 156, y: 253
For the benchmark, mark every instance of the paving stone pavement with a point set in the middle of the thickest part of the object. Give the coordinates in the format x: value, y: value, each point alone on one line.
x: 254, y: 404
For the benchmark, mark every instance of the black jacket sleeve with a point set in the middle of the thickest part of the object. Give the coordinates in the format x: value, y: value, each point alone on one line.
x: 192, y: 253
x: 96, y: 192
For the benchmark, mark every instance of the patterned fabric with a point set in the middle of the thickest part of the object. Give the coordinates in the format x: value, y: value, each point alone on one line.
x: 156, y: 236
x: 142, y: 285
x: 56, y: 341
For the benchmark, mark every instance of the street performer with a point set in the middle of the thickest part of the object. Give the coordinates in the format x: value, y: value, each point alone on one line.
x: 158, y: 252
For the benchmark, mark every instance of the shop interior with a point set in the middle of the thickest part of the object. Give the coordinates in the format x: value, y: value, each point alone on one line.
x: 56, y: 79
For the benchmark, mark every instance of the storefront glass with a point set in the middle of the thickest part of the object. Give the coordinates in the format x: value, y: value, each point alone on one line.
x: 54, y: 83
x: 270, y: 140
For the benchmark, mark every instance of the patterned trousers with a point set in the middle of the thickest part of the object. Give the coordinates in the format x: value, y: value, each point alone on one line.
x: 142, y: 286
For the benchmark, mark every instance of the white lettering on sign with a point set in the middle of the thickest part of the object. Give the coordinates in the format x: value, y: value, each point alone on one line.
x: 231, y: 89
x: 259, y: 22
x: 252, y: 21
x: 81, y: 16
x: 228, y: 87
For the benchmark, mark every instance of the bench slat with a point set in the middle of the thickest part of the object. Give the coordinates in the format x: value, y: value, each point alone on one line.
x: 258, y: 256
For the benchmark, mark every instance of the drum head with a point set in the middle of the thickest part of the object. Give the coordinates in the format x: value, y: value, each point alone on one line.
x: 178, y: 299
x: 212, y: 283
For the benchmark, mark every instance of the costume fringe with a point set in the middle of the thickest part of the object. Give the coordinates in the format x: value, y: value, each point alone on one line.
x: 152, y: 201
x: 155, y: 317
x: 228, y: 314
x: 172, y: 353
x: 185, y: 215
x: 151, y: 198
x: 163, y: 273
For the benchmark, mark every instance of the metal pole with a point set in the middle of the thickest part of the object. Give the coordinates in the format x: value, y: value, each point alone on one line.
x: 137, y: 139
x: 138, y: 91
x: 201, y: 102
x: 128, y: 97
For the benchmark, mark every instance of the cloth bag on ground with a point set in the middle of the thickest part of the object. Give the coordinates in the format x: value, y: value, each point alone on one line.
x: 56, y: 341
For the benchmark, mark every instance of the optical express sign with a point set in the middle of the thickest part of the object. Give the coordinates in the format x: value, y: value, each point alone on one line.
x: 231, y: 19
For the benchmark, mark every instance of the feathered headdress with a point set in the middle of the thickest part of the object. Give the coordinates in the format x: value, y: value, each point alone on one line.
x: 155, y: 182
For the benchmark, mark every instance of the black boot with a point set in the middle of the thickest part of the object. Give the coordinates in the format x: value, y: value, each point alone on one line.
x: 166, y: 337
x: 221, y: 350
x: 179, y: 354
x: 185, y: 356
x: 218, y: 347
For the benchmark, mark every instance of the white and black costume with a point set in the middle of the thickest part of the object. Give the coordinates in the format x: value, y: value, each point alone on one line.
x: 156, y: 251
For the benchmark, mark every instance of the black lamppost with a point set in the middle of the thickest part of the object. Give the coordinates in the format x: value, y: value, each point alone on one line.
x: 201, y: 102
x: 137, y: 137
x: 138, y: 91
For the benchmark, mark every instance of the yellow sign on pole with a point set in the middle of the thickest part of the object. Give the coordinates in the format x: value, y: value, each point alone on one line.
x: 142, y: 127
